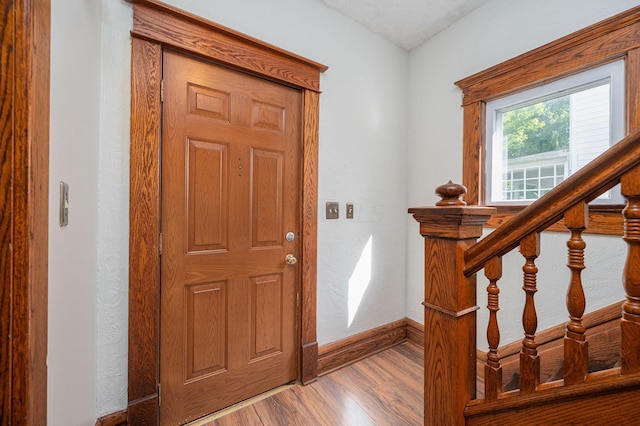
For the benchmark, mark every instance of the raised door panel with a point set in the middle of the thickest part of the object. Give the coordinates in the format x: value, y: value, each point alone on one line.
x: 208, y: 102
x: 266, y: 315
x: 266, y: 116
x: 206, y: 330
x: 267, y: 198
x: 208, y: 218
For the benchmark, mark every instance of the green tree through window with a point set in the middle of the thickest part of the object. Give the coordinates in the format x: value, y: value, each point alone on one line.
x: 537, y: 128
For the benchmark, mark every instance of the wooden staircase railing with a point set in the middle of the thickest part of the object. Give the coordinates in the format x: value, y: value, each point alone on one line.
x: 452, y: 258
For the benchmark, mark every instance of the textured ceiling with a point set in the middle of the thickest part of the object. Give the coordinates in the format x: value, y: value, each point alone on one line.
x: 406, y: 23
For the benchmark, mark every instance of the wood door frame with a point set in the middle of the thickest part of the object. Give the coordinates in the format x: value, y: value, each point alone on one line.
x: 157, y: 26
x: 24, y: 223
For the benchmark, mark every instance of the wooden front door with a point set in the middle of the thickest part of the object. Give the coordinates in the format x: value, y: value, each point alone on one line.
x: 230, y: 195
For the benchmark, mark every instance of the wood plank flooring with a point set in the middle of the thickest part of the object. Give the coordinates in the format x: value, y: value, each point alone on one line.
x: 383, y: 389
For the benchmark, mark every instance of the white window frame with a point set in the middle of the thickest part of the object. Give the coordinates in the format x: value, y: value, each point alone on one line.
x: 613, y: 72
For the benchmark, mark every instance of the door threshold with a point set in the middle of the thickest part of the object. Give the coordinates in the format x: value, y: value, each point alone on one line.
x: 242, y: 404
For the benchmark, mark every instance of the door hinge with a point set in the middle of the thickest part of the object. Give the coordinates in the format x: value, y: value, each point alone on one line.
x: 159, y: 394
x: 162, y: 90
x: 160, y: 244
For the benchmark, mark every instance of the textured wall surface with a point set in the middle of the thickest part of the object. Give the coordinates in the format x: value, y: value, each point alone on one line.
x: 113, y: 210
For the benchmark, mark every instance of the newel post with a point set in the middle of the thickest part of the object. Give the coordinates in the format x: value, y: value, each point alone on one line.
x: 449, y: 229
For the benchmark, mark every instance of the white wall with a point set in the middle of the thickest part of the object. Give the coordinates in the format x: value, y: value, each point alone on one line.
x: 493, y: 33
x: 362, y: 159
x: 74, y: 141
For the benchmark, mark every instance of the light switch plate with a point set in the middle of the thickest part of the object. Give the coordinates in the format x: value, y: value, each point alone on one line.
x: 333, y: 210
x: 64, y: 203
x: 349, y: 213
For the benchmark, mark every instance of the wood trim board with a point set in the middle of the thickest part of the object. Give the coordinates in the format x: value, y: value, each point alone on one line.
x: 144, y: 232
x: 608, y: 399
x: 183, y: 31
x: 118, y: 418
x: 339, y: 354
x: 157, y: 27
x: 25, y: 30
x: 415, y: 332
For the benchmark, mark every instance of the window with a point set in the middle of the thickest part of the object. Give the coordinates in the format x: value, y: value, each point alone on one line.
x: 614, y: 39
x: 538, y: 137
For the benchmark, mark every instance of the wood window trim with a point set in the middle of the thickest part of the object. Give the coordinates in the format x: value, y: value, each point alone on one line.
x: 612, y: 39
x: 157, y: 26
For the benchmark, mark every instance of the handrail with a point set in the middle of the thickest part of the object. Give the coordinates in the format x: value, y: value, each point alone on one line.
x: 600, y: 175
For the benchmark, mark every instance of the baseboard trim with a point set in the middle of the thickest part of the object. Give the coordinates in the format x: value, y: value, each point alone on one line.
x: 309, y: 360
x: 118, y: 418
x: 415, y: 332
x: 336, y: 355
x: 341, y: 353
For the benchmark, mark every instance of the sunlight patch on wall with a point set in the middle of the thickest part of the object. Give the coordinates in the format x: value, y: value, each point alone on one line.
x: 360, y: 280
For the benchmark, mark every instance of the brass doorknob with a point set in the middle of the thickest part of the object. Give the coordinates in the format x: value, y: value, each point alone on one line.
x: 290, y: 259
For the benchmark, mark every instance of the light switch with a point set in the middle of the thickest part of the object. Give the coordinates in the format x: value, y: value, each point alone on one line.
x: 349, y: 211
x: 64, y: 203
x: 333, y: 210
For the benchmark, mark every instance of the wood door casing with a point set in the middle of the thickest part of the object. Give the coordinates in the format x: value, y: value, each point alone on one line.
x: 230, y: 193
x: 156, y: 25
x: 24, y: 178
x: 7, y: 23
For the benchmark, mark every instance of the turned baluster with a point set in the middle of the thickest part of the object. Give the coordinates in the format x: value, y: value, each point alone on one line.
x: 576, y: 358
x: 630, y: 322
x: 492, y: 369
x: 529, y: 359
x: 450, y: 304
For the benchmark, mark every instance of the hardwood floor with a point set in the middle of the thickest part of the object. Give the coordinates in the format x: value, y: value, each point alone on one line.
x: 383, y: 389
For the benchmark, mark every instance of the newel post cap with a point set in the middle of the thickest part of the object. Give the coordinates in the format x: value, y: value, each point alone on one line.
x: 451, y: 217
x: 450, y: 193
